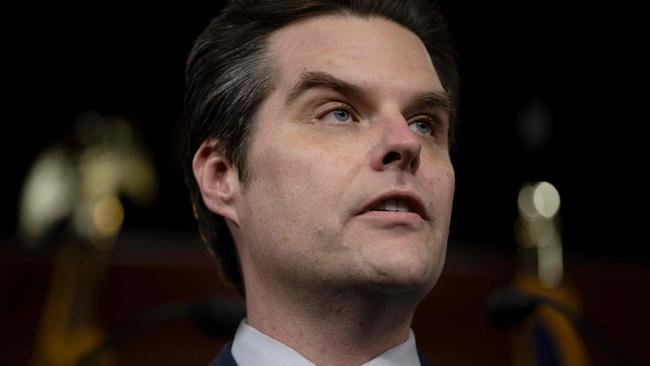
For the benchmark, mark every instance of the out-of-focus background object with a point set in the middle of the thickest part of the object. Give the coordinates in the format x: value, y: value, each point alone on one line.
x: 97, y: 227
x: 78, y: 187
x: 79, y: 184
x: 548, y: 336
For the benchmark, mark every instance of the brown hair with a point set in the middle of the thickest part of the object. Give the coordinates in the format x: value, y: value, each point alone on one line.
x: 228, y: 75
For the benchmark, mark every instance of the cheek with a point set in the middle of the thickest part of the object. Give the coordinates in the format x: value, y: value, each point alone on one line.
x: 441, y: 184
x: 450, y: 179
x: 309, y: 165
x: 297, y: 185
x: 292, y: 204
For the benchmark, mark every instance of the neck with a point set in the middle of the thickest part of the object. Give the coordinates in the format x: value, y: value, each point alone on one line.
x: 355, y: 325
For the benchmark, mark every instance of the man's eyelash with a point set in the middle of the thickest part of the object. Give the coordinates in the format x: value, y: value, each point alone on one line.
x: 336, y: 107
x: 433, y: 121
x: 429, y: 117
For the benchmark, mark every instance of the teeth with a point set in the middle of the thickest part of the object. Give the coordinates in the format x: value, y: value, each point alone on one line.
x: 397, y: 205
x: 402, y: 206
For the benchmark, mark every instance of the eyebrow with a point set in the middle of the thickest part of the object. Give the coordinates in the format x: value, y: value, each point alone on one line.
x: 318, y: 79
x: 431, y: 100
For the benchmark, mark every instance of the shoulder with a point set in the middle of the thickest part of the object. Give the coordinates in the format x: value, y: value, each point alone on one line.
x: 423, y: 360
x: 225, y: 357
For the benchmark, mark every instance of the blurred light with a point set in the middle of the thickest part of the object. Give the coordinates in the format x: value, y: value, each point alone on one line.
x: 82, y: 217
x: 546, y: 199
x: 48, y: 194
x: 525, y: 201
x: 84, y: 185
x: 81, y: 186
x: 550, y: 268
x: 536, y: 231
x: 113, y: 163
x: 540, y: 199
x: 108, y: 216
x: 139, y: 180
x: 100, y: 172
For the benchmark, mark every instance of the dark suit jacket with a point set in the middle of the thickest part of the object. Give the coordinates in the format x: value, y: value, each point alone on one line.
x: 225, y: 358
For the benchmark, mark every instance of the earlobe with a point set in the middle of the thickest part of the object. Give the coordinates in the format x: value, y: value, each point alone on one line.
x: 217, y: 180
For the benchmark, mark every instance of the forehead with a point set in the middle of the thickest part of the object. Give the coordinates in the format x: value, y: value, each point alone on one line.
x: 371, y: 52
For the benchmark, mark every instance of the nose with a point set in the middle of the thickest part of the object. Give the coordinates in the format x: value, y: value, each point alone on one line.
x: 398, y: 148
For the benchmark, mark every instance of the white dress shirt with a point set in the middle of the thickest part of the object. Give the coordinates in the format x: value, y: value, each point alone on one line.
x: 253, y: 348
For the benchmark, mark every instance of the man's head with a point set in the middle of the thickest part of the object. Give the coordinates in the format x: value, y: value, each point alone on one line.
x: 305, y: 118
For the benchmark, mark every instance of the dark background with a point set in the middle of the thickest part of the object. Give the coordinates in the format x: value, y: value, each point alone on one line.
x: 580, y: 61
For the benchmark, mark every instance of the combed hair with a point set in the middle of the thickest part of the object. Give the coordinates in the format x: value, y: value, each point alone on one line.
x: 229, y: 74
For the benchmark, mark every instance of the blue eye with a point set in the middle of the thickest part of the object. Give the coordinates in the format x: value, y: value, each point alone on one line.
x: 422, y: 127
x: 341, y: 115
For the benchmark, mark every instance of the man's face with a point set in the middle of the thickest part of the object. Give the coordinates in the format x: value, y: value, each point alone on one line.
x: 354, y: 129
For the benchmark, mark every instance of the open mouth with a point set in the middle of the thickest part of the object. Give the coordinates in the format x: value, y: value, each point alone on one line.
x: 397, y: 203
x: 393, y: 205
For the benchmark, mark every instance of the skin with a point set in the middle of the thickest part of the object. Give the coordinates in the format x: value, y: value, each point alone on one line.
x: 345, y: 282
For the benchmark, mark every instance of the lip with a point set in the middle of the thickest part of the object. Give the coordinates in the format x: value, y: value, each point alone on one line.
x: 414, y: 202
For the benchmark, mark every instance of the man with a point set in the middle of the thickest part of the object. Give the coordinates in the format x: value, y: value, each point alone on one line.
x: 318, y: 163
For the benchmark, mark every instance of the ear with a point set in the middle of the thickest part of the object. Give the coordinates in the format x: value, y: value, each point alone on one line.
x: 217, y: 179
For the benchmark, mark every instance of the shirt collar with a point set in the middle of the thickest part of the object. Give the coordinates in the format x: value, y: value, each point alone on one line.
x: 251, y: 348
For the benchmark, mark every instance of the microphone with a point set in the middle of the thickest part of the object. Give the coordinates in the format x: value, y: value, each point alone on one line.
x: 508, y: 307
x: 215, y: 316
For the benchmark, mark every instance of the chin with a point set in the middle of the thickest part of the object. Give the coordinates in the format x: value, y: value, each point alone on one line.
x: 395, y: 275
x: 397, y: 264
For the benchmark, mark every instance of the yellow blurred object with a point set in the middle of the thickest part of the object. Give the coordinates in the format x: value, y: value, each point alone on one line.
x: 546, y: 320
x: 548, y: 336
x: 81, y: 186
x: 70, y: 328
x: 107, y: 217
